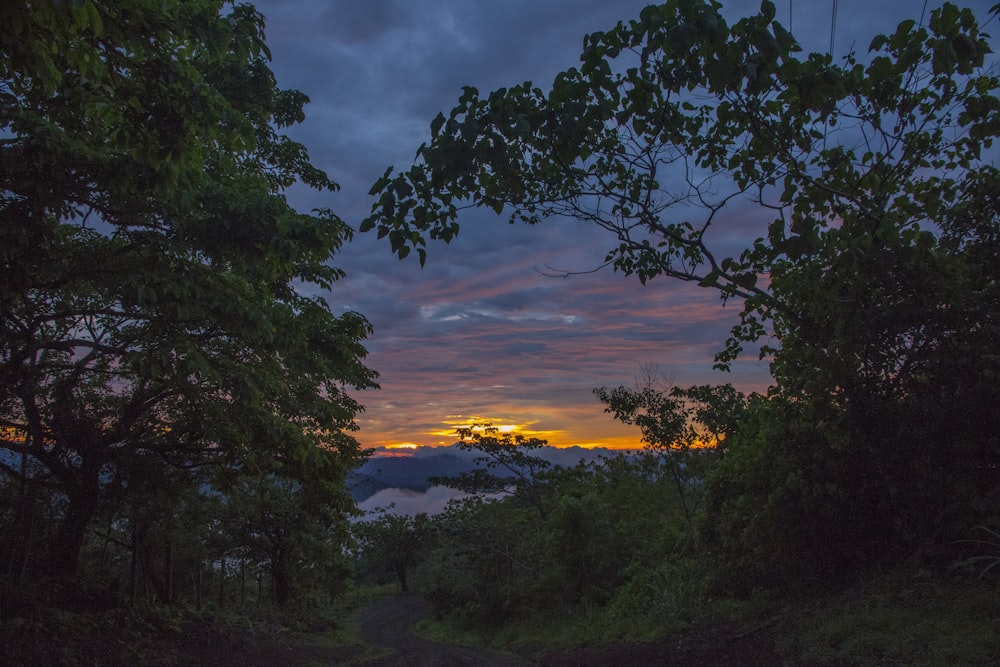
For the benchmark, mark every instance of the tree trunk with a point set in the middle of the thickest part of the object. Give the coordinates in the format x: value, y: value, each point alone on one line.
x: 23, y: 546
x: 169, y: 576
x: 133, y: 569
x: 65, y: 556
x: 196, y: 584
x: 222, y: 582
x: 280, y: 576
x: 401, y: 576
x: 25, y: 522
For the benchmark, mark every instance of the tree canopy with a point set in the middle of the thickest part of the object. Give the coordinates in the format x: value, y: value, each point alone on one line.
x: 155, y: 295
x: 848, y: 204
x: 677, y: 112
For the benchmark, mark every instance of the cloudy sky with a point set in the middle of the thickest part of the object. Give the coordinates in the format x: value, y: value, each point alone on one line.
x: 479, y: 332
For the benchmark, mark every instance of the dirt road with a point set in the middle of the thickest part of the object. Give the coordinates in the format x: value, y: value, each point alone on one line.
x: 388, y: 625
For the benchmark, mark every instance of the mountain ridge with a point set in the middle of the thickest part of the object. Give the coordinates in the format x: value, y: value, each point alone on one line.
x: 413, y: 470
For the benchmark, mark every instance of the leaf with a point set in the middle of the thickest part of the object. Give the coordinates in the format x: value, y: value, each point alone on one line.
x: 710, y: 280
x: 402, y: 188
x: 381, y: 183
x: 437, y: 124
x: 746, y: 280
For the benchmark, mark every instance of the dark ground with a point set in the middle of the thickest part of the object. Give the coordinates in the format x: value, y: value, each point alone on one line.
x: 386, y: 628
x: 387, y: 624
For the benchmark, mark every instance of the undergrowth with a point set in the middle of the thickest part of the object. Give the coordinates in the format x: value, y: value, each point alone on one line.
x: 164, y: 635
x: 903, y: 619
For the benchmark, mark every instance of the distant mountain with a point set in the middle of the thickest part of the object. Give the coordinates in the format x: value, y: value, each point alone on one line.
x: 413, y: 471
x: 404, y: 472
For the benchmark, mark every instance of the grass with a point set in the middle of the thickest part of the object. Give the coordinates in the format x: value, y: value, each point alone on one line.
x: 901, y: 620
x: 587, y: 625
x: 440, y: 630
x: 904, y: 618
x: 168, y: 635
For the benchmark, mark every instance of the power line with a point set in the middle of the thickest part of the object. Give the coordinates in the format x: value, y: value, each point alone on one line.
x: 833, y: 26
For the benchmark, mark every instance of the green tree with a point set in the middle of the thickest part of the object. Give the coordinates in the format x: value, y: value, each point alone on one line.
x: 685, y: 429
x: 507, y: 465
x: 870, y: 278
x: 149, y: 539
x: 594, y: 552
x: 394, y: 544
x: 156, y: 285
x: 289, y: 525
x: 482, y: 562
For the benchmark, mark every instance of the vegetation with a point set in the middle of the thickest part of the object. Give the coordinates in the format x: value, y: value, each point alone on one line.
x: 871, y: 285
x: 868, y: 192
x: 175, y: 426
x: 390, y: 546
x: 174, y: 422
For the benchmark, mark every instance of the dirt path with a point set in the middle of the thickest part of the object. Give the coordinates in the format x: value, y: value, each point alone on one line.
x: 386, y: 628
x: 388, y: 625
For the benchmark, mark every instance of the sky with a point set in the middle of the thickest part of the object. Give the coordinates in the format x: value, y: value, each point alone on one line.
x: 479, y: 333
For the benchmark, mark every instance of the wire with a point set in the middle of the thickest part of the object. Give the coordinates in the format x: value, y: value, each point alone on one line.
x: 833, y: 33
x: 833, y: 26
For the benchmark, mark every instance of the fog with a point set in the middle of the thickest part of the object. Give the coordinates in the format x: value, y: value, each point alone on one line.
x: 407, y: 502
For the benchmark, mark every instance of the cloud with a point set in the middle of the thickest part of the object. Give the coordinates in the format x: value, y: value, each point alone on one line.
x: 479, y: 330
x: 354, y: 23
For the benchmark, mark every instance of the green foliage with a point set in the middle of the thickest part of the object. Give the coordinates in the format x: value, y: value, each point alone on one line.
x: 678, y: 110
x: 506, y: 465
x: 392, y: 545
x: 568, y: 550
x: 60, y: 637
x: 775, y: 508
x: 154, y: 306
x: 686, y: 428
x: 168, y: 636
x: 294, y: 527
x: 661, y: 598
x: 908, y: 621
x: 868, y: 190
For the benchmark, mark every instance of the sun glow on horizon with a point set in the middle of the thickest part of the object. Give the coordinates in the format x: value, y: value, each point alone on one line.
x: 451, y: 424
x: 626, y: 443
x: 541, y: 424
x: 402, y: 445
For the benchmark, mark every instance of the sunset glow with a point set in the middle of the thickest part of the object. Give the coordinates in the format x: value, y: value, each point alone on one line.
x: 480, y: 332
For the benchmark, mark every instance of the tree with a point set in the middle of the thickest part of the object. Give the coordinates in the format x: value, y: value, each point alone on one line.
x: 705, y: 105
x: 869, y: 279
x: 508, y: 467
x: 598, y: 551
x: 685, y: 429
x: 393, y: 543
x: 155, y: 290
x: 288, y: 524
